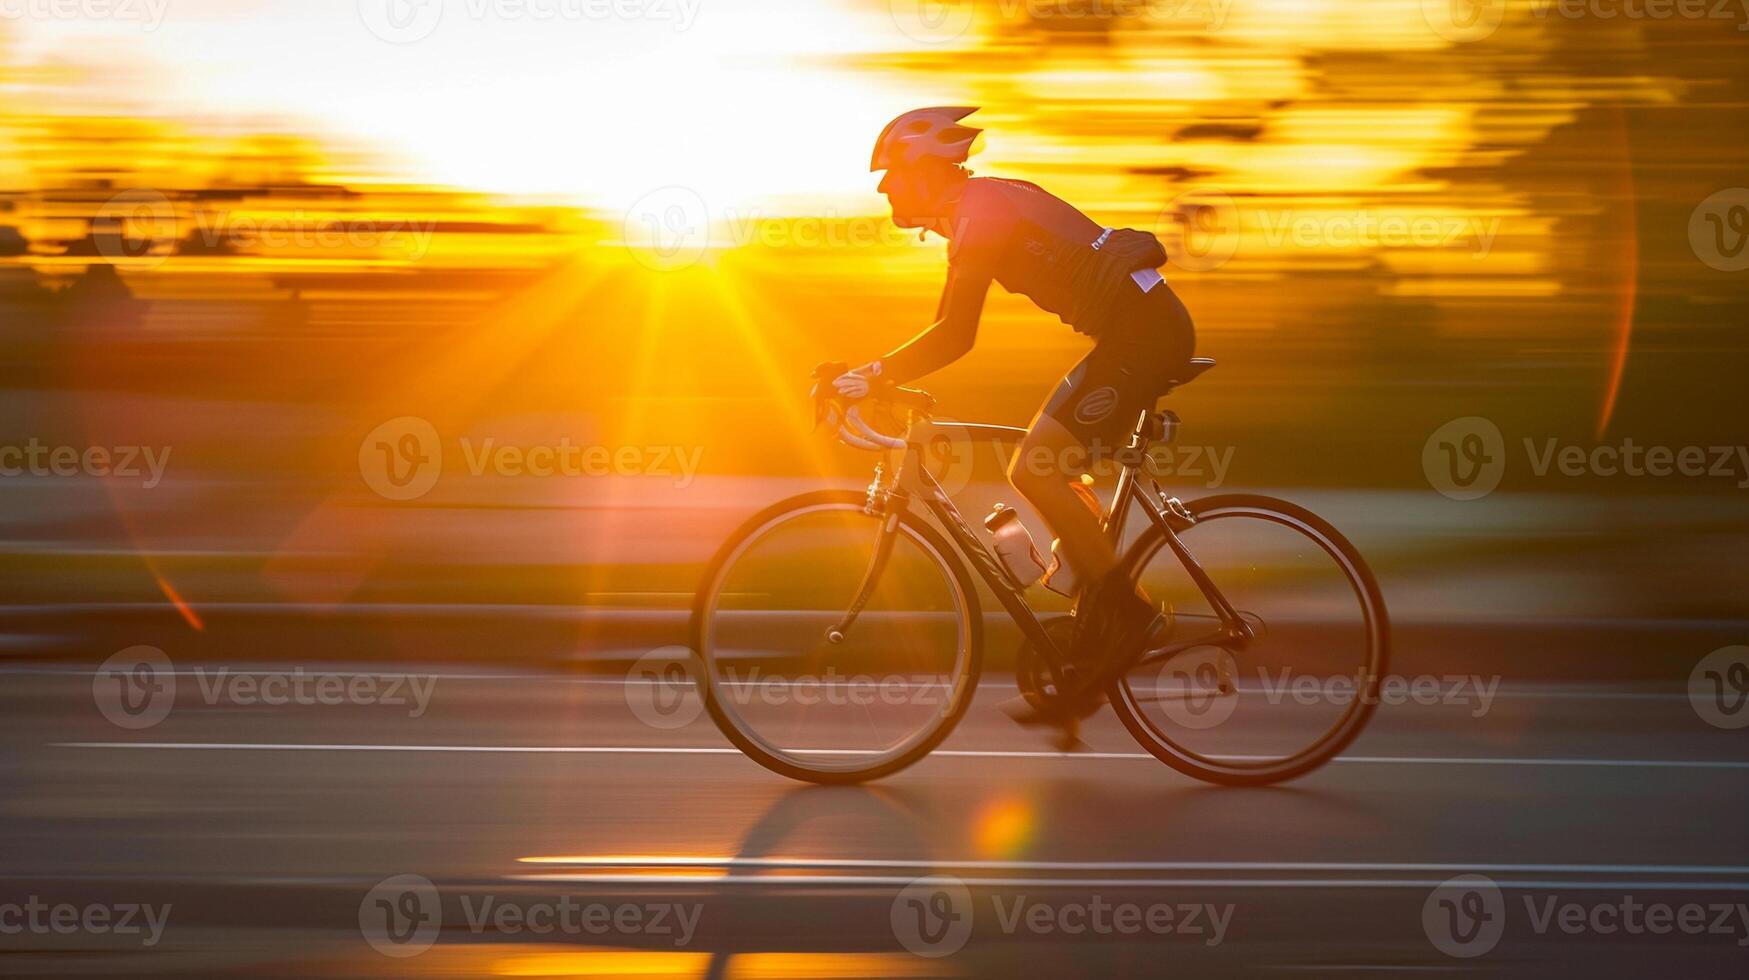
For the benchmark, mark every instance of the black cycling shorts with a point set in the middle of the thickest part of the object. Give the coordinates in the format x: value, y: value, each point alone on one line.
x: 1148, y: 344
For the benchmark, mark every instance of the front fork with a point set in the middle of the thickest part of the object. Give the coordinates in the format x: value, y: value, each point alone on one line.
x: 878, y: 564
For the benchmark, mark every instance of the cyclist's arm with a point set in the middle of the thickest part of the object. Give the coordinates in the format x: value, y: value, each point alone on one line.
x: 949, y: 338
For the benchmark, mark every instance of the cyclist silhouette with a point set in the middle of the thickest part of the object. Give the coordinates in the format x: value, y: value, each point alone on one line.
x: 1100, y: 281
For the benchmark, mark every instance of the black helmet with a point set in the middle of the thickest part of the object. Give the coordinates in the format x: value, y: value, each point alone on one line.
x: 922, y: 133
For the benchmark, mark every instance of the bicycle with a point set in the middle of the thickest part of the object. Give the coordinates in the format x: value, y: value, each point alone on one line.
x: 836, y: 581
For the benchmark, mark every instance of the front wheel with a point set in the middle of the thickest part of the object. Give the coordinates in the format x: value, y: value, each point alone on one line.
x: 1300, y: 689
x: 805, y: 698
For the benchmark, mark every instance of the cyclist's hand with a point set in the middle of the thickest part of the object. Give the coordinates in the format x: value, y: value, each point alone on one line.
x: 855, y: 384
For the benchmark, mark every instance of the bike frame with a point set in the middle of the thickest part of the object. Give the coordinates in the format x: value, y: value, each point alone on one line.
x: 913, y: 482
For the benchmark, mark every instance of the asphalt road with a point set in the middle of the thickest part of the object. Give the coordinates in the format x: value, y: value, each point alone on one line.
x: 561, y: 833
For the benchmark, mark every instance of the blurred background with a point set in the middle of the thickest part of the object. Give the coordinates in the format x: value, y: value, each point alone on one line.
x: 446, y: 340
x: 268, y: 243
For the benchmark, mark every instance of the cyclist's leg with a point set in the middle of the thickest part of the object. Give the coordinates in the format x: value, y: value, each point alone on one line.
x: 1094, y: 412
x: 1091, y: 415
x: 1049, y: 459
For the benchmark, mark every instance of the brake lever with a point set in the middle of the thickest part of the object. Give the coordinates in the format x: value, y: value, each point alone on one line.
x: 824, y: 373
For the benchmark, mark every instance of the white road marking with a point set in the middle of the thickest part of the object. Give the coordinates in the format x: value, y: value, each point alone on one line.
x: 634, y: 861
x: 1527, y: 692
x: 1377, y: 760
x: 900, y: 881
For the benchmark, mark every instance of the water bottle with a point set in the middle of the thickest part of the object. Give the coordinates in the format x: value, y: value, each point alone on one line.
x: 1059, y: 577
x: 1013, y: 545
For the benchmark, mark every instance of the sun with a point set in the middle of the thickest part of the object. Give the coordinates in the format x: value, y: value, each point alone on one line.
x: 750, y: 105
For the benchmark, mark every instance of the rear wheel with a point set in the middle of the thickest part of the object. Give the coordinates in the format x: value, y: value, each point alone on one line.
x: 808, y: 705
x: 1291, y: 698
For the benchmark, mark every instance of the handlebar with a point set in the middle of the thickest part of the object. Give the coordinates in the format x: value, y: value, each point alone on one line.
x: 853, y: 429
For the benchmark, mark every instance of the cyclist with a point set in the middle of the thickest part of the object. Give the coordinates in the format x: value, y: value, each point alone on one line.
x: 1101, y: 282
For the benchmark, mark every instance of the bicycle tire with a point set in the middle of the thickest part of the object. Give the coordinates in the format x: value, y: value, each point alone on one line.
x: 1372, y: 602
x: 704, y: 602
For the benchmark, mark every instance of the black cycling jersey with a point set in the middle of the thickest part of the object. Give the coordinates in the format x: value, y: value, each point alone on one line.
x: 1034, y: 244
x: 1021, y: 236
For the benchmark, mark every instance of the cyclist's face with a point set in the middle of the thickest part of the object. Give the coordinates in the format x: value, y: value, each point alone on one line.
x: 909, y: 195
